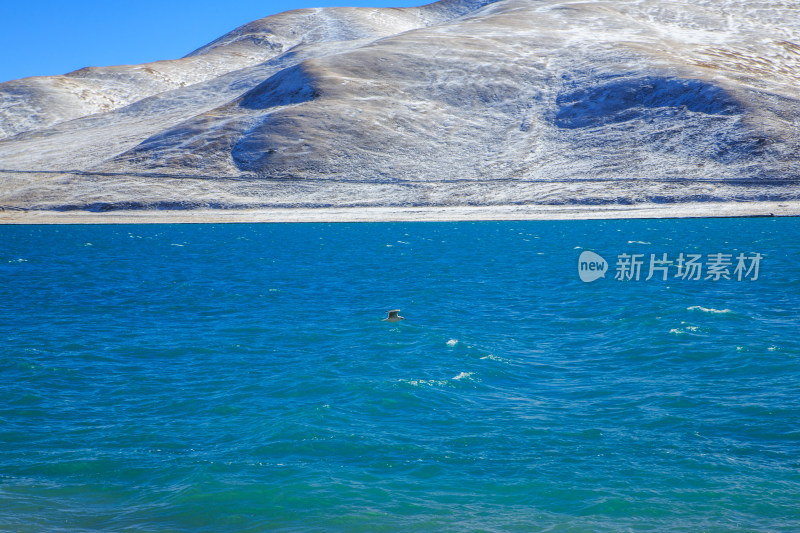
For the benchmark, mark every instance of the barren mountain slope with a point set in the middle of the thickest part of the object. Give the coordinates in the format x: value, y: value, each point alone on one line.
x: 457, y: 102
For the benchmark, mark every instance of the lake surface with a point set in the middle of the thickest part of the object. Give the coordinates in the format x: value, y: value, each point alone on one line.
x: 240, y: 378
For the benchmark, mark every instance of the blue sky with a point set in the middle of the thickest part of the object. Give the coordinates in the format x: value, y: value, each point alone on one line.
x: 56, y: 36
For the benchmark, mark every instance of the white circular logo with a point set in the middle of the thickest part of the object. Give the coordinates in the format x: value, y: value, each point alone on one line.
x: 591, y: 266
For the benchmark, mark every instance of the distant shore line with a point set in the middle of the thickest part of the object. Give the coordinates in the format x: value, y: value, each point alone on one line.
x: 407, y: 214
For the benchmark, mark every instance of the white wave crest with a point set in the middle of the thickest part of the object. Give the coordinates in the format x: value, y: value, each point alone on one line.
x: 708, y: 309
x: 685, y: 329
x: 424, y: 382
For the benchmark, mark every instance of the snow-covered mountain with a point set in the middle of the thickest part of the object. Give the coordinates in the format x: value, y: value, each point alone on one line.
x: 457, y: 102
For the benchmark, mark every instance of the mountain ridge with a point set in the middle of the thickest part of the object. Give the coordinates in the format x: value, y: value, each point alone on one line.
x: 452, y: 103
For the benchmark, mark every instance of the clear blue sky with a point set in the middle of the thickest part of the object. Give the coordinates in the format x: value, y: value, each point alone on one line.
x: 40, y: 38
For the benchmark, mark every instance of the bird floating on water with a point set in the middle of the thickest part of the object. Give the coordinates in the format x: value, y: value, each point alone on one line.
x: 393, y: 316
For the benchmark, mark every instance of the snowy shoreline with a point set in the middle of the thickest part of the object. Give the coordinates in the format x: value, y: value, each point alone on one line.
x: 408, y: 214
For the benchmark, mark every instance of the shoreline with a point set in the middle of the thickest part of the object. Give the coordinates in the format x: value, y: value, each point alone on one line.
x: 408, y: 214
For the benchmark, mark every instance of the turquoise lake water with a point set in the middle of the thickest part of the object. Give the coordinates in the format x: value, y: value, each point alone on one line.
x: 240, y: 378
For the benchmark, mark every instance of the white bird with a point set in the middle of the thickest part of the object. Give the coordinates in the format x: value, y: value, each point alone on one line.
x: 393, y: 316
